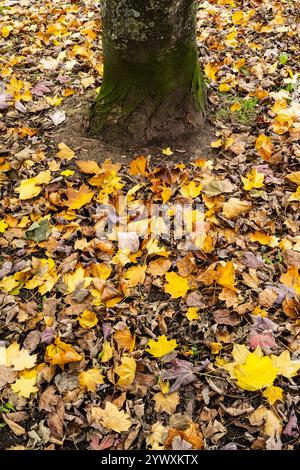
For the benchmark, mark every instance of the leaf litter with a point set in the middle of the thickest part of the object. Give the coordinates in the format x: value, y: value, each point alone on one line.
x: 136, y: 343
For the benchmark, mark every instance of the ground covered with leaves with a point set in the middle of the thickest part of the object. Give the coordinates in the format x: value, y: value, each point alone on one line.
x: 129, y: 342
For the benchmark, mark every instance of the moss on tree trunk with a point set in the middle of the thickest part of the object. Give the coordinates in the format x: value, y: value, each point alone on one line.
x: 152, y: 86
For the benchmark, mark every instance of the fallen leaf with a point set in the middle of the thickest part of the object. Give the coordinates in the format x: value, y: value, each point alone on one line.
x: 126, y: 371
x: 90, y: 378
x: 161, y: 347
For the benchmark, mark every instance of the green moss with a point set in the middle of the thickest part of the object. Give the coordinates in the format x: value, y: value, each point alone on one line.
x: 126, y: 84
x: 245, y: 115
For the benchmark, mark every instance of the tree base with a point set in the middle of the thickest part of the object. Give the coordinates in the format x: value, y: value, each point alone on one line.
x: 150, y: 102
x: 152, y: 122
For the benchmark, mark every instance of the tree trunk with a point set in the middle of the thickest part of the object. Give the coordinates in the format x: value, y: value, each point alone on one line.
x: 152, y: 88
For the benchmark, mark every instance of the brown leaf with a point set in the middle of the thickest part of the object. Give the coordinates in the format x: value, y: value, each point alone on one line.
x: 16, y: 428
x: 225, y: 317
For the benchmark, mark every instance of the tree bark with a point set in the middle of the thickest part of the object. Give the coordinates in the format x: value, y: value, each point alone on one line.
x: 152, y: 88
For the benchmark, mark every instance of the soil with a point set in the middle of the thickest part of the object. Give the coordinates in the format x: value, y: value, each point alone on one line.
x: 74, y: 133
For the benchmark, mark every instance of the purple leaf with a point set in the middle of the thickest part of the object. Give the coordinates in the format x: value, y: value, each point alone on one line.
x: 264, y: 324
x: 47, y: 335
x: 42, y: 87
x: 4, y: 100
x: 292, y: 427
x: 252, y: 261
x: 182, y: 372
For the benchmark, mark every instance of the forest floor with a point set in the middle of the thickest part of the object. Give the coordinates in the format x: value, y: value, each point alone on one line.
x: 138, y: 340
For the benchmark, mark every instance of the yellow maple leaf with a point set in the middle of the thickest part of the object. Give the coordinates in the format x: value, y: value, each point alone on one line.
x: 291, y: 279
x: 77, y: 199
x: 76, y: 279
x: 111, y: 418
x: 89, y: 379
x: 3, y: 226
x: 167, y: 151
x: 192, y: 314
x: 264, y: 146
x: 191, y: 190
x: 235, y: 207
x: 138, y: 166
x: 126, y: 371
x: 24, y: 387
x: 254, y: 179
x: 295, y: 196
x: 135, y: 275
x: 6, y: 30
x: 256, y: 373
x: 88, y: 319
x: 210, y: 71
x: 217, y: 144
x: 89, y: 167
x: 61, y: 353
x: 226, y: 275
x: 264, y: 239
x: 31, y: 187
x: 285, y: 366
x: 161, y: 347
x: 273, y: 394
x: 19, y: 359
x: 166, y: 403
x: 65, y: 153
x: 177, y: 286
x: 125, y: 339
x: 282, y: 123
x: 106, y: 353
x: 235, y: 107
x: 67, y: 173
x: 294, y: 177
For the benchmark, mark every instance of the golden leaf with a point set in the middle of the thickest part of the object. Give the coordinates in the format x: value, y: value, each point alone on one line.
x: 291, y: 279
x: 210, y: 71
x: 177, y: 286
x: 88, y: 319
x: 24, y: 387
x: 31, y: 187
x: 235, y: 207
x: 294, y: 177
x: 273, y: 394
x: 192, y: 314
x: 89, y: 379
x: 161, y: 347
x: 61, y: 353
x: 125, y: 339
x: 285, y: 366
x: 254, y: 179
x: 111, y: 418
x: 77, y: 199
x: 256, y: 373
x: 226, y: 275
x: 135, y: 275
x: 88, y: 166
x: 76, y: 279
x: 107, y: 352
x: 166, y: 403
x: 264, y: 146
x: 126, y: 371
x: 264, y: 239
x: 191, y: 190
x: 65, y: 153
x: 138, y: 166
